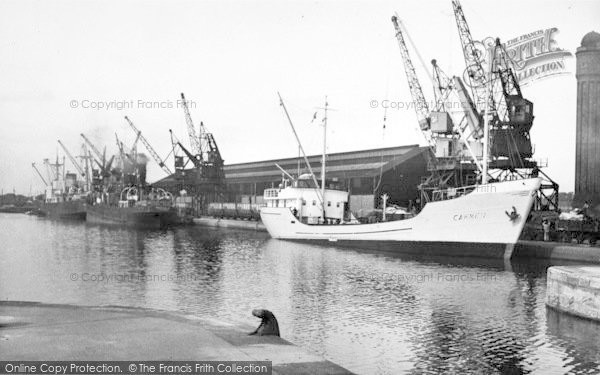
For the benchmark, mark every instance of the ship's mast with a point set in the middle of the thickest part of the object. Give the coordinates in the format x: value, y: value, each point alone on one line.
x: 86, y: 159
x: 312, y: 174
x: 324, y: 157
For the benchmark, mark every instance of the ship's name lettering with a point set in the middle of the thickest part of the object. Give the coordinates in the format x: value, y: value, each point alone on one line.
x: 469, y: 216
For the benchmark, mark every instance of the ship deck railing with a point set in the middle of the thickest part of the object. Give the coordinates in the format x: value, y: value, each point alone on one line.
x: 452, y: 193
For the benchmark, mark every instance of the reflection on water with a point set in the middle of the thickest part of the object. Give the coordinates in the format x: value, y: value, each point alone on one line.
x: 370, y: 312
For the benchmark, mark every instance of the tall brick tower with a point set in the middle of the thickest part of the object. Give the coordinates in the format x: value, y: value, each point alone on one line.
x: 587, y: 152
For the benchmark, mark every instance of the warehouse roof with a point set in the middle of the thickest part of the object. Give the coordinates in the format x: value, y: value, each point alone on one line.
x: 364, y: 163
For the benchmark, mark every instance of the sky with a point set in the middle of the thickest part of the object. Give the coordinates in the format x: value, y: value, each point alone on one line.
x: 71, y: 67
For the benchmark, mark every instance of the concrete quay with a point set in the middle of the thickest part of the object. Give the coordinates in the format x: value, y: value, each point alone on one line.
x: 556, y: 251
x: 574, y: 290
x: 45, y: 332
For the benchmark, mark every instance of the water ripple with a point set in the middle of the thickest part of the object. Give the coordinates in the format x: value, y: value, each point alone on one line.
x: 374, y: 313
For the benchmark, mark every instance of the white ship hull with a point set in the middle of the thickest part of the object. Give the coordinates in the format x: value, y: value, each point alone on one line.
x: 475, y: 224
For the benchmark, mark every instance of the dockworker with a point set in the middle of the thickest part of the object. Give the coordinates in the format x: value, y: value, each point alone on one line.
x: 546, y: 228
x: 585, y: 208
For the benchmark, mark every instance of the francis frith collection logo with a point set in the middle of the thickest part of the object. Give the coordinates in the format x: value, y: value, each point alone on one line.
x: 534, y: 56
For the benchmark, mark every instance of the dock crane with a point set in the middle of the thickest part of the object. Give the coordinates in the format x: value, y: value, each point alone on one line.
x: 179, y: 163
x: 437, y: 174
x: 420, y: 104
x: 39, y: 174
x: 149, y: 148
x: 502, y: 78
x: 511, y: 115
x: 475, y: 73
x: 442, y: 87
x: 445, y: 159
x: 203, y: 147
x: 194, y: 138
x: 467, y: 125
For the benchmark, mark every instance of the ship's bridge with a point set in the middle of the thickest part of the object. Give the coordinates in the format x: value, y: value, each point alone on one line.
x: 304, y: 198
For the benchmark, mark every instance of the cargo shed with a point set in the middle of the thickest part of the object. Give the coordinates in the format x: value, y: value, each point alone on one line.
x: 367, y: 174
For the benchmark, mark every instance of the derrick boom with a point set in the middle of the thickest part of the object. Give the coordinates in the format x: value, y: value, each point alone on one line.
x: 150, y: 149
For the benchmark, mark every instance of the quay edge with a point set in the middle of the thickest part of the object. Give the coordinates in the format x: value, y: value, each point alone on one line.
x: 30, y: 331
x: 557, y: 251
x: 574, y: 290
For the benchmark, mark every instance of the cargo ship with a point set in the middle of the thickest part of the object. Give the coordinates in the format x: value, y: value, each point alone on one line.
x: 65, y: 196
x: 134, y: 209
x: 64, y: 210
x: 481, y: 220
x: 113, y: 189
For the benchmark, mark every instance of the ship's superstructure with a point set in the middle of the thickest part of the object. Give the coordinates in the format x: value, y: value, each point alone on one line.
x: 65, y: 192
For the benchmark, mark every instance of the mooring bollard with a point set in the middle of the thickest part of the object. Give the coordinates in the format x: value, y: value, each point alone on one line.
x: 268, y: 324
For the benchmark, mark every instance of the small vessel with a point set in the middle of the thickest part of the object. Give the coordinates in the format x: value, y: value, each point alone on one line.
x: 65, y: 196
x: 475, y: 220
x: 481, y: 220
x: 151, y: 210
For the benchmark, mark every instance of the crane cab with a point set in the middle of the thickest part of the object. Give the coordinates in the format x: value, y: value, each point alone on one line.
x: 520, y: 110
